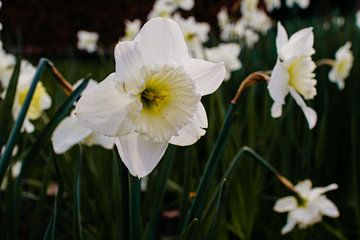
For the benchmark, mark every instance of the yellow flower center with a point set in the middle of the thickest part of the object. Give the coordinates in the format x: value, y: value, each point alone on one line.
x: 151, y: 98
x: 35, y: 108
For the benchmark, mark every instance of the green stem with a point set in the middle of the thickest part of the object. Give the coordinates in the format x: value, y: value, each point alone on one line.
x: 77, y: 196
x: 134, y: 208
x: 336, y: 233
x: 213, y: 161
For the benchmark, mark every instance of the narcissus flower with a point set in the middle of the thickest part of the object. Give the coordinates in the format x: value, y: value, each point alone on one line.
x: 186, y: 5
x: 301, y: 3
x: 87, y: 41
x: 343, y: 63
x: 7, y: 64
x: 308, y: 207
x: 131, y: 29
x: 272, y: 4
x: 153, y: 98
x: 293, y: 72
x: 71, y: 132
x: 227, y: 53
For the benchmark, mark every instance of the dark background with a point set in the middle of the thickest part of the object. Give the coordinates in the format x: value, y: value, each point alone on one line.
x: 41, y: 27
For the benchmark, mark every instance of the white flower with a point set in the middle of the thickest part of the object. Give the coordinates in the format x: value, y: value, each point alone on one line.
x: 87, y: 41
x: 40, y: 101
x: 258, y: 20
x: 186, y: 5
x: 308, y: 208
x: 251, y: 37
x: 343, y: 63
x: 131, y: 29
x: 293, y: 72
x: 15, y: 171
x: 223, y: 17
x: 7, y: 64
x: 272, y: 4
x: 357, y: 17
x: 153, y: 98
x: 162, y: 9
x: 71, y: 132
x: 301, y: 3
x: 249, y: 6
x: 227, y: 53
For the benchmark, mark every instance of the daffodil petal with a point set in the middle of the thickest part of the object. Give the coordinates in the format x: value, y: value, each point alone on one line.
x: 285, y: 204
x: 128, y: 61
x: 279, y: 83
x: 192, y: 131
x: 281, y: 37
x: 162, y: 39
x: 306, y: 216
x: 309, y: 113
x: 316, y: 192
x: 67, y: 134
x: 304, y: 187
x: 300, y: 44
x: 140, y: 154
x: 208, y: 76
x: 327, y: 207
x: 106, y: 110
x: 98, y: 139
x: 290, y: 224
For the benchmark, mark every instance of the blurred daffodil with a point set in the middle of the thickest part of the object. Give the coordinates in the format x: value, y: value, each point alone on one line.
x: 153, y: 98
x: 7, y: 63
x: 227, y: 53
x: 293, y: 72
x: 131, y: 29
x: 341, y: 67
x: 272, y: 4
x: 308, y: 207
x: 87, y: 41
x: 301, y: 3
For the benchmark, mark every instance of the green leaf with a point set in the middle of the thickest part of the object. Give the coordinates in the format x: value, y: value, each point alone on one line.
x: 77, y: 196
x: 134, y: 208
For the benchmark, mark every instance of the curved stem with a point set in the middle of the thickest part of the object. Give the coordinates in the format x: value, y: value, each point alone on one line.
x: 325, y: 61
x: 67, y: 87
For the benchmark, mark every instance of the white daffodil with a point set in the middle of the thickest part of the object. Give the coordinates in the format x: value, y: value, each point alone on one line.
x: 258, y: 20
x: 87, y: 41
x: 357, y: 18
x: 301, y: 3
x: 223, y: 18
x: 272, y: 4
x: 249, y: 6
x: 15, y: 171
x: 7, y: 64
x: 195, y: 34
x: 293, y: 72
x: 251, y: 37
x: 153, y: 98
x: 162, y: 9
x: 40, y: 101
x: 186, y: 5
x: 71, y: 132
x: 227, y: 53
x: 343, y: 63
x: 308, y: 208
x: 131, y: 29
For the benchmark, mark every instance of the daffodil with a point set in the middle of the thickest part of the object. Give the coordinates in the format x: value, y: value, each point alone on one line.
x: 71, y: 132
x: 227, y: 53
x: 153, y: 98
x: 40, y: 101
x: 293, y: 72
x: 308, y: 207
x: 162, y: 9
x: 87, y: 41
x: 131, y: 29
x: 186, y: 5
x: 343, y: 63
x: 301, y: 3
x: 272, y: 4
x: 14, y: 170
x: 223, y: 17
x: 7, y: 63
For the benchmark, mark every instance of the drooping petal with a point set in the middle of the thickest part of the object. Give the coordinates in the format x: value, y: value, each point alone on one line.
x: 285, y: 204
x: 309, y: 113
x: 316, y: 192
x: 306, y: 216
x: 140, y: 154
x: 162, y: 39
x: 281, y: 37
x: 129, y: 62
x: 106, y: 110
x: 290, y: 224
x: 327, y: 207
x: 304, y: 187
x: 278, y: 88
x: 68, y: 133
x: 208, y: 76
x: 192, y: 131
x: 300, y: 44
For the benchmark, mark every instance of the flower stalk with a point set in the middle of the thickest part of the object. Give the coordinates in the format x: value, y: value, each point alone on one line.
x: 325, y: 61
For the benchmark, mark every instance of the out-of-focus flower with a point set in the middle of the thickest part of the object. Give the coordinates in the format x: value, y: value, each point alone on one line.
x: 301, y: 3
x: 227, y: 53
x: 40, y: 101
x: 272, y: 4
x: 131, y: 29
x: 338, y: 20
x: 195, y: 34
x: 7, y: 63
x: 258, y: 20
x: 293, y: 72
x: 87, y: 41
x: 249, y: 6
x: 15, y: 171
x: 153, y: 98
x: 357, y: 17
x: 343, y: 63
x: 71, y: 132
x: 223, y: 17
x: 162, y: 9
x: 251, y: 37
x: 308, y: 207
x: 186, y: 5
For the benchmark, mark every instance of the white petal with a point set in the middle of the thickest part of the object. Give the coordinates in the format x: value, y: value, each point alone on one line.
x: 327, y: 207
x: 285, y: 204
x: 290, y: 224
x: 304, y: 187
x: 279, y: 83
x: 309, y: 113
x: 99, y: 139
x: 68, y: 133
x: 140, y: 155
x: 107, y: 111
x: 276, y: 110
x: 316, y: 192
x: 306, y: 216
x: 162, y: 39
x: 192, y: 131
x: 300, y: 44
x: 281, y: 37
x: 208, y: 76
x: 128, y: 65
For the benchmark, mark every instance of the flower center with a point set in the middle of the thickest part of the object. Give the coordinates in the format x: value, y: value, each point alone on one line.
x: 151, y: 98
x: 35, y: 108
